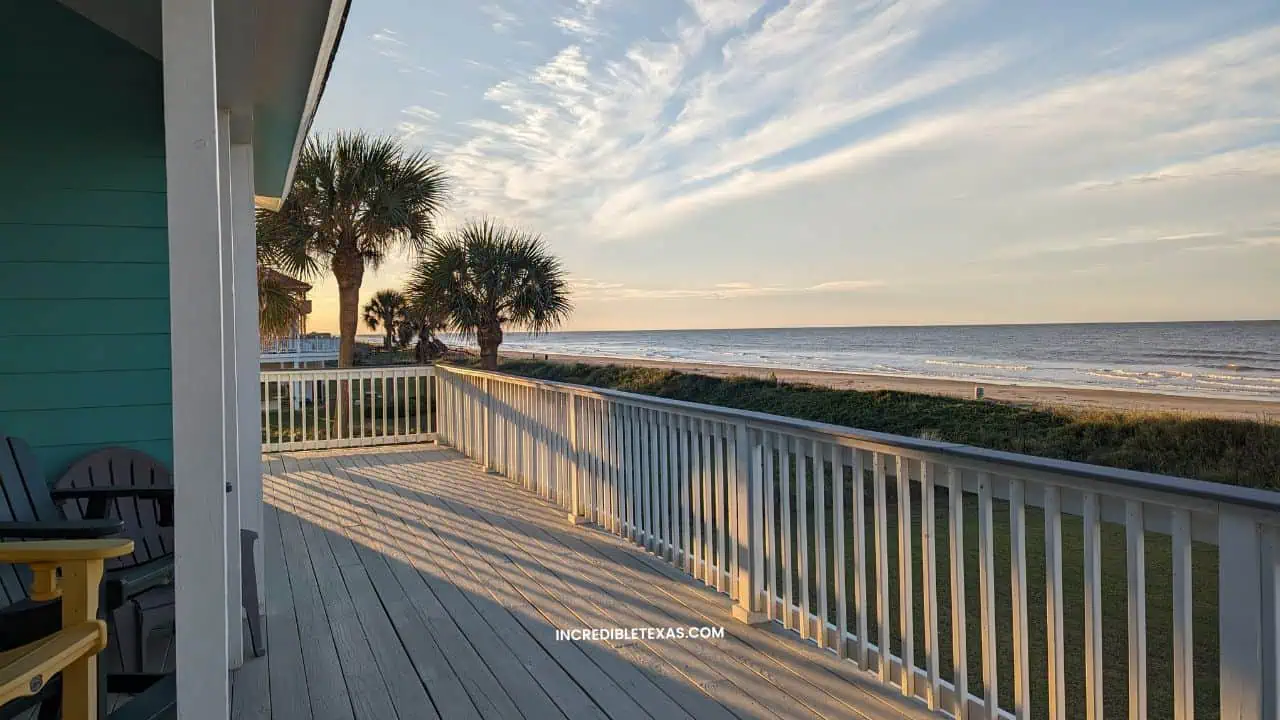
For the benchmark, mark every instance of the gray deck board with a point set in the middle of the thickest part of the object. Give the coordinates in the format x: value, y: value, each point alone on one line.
x: 286, y: 678
x: 404, y: 582
x: 326, y: 687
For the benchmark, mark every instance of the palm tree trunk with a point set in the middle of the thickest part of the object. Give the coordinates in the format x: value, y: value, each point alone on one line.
x: 386, y: 342
x: 348, y: 307
x: 489, y: 338
x: 348, y: 271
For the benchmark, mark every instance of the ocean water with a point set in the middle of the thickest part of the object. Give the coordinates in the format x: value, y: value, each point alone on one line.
x: 1220, y: 359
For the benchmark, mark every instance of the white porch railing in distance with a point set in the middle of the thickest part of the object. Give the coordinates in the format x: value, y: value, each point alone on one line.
x: 300, y: 346
x: 691, y: 482
x: 350, y: 407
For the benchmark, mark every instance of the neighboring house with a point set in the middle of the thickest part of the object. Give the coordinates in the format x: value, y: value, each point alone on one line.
x: 298, y: 289
x: 296, y: 348
x: 139, y: 136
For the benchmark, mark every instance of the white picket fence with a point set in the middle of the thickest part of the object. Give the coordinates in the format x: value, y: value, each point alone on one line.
x: 350, y: 407
x: 692, y: 482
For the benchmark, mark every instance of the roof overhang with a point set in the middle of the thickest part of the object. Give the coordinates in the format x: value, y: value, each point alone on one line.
x: 273, y: 60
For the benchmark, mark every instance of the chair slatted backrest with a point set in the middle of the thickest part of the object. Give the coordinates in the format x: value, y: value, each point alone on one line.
x: 24, y: 497
x: 124, y: 468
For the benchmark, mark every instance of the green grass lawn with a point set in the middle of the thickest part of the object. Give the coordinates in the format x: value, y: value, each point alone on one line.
x: 317, y: 417
x: 1114, y: 603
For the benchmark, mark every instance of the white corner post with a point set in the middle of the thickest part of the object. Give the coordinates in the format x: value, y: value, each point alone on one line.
x: 248, y: 369
x: 195, y: 323
x: 231, y: 447
x: 748, y: 531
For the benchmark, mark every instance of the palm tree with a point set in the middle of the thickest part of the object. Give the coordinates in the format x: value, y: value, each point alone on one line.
x: 487, y: 276
x: 386, y: 310
x: 355, y: 200
x: 422, y: 321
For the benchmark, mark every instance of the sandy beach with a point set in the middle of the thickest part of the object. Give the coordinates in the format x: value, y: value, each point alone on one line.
x: 1076, y: 398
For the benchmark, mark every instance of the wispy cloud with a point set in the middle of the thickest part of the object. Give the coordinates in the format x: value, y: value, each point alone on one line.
x: 1259, y: 161
x: 421, y: 121
x: 387, y: 38
x: 389, y: 44
x: 719, y: 15
x: 1198, y: 241
x: 503, y: 19
x: 580, y: 20
x: 720, y: 291
x: 1252, y: 239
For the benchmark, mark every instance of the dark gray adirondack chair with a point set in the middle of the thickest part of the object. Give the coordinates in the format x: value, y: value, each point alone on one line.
x: 141, y: 585
x: 29, y: 510
x: 138, y: 587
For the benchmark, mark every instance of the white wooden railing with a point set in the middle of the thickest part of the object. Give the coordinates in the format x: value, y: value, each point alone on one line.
x: 314, y: 409
x: 300, y: 346
x: 693, y: 482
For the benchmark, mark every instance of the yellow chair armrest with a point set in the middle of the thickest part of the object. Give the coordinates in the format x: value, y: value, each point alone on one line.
x: 25, y: 670
x: 57, y: 551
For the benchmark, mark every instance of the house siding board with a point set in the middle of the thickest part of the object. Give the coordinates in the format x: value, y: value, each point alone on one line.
x: 84, y: 315
x: 89, y: 244
x: 129, y: 317
x: 37, y: 354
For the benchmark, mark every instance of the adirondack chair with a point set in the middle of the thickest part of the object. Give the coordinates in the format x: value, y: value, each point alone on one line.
x: 139, y: 588
x: 70, y: 570
x: 63, y: 662
x: 29, y: 510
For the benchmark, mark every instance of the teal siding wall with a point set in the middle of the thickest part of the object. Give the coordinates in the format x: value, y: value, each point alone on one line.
x: 84, y: 275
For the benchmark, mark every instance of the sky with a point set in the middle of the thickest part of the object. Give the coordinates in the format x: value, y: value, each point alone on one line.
x: 778, y: 163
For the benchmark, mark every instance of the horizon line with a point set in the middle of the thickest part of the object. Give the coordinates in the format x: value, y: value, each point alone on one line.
x: 898, y: 326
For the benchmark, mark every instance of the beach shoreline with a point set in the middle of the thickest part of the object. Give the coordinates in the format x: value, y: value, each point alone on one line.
x: 1081, y: 399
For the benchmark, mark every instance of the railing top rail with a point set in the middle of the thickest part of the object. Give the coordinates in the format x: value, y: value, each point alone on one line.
x: 1217, y: 492
x: 375, y: 370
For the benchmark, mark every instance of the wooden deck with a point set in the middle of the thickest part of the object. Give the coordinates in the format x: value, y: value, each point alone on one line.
x: 407, y: 583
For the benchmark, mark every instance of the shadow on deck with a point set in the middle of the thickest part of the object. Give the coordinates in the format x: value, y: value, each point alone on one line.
x: 407, y: 583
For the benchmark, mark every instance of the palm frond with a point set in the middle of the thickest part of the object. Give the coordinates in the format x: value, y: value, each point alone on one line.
x: 278, y: 308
